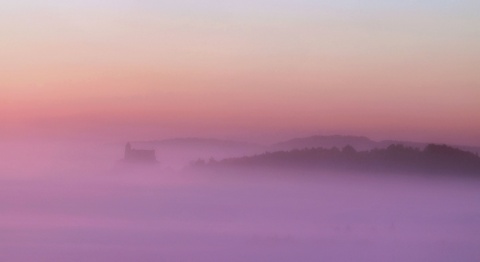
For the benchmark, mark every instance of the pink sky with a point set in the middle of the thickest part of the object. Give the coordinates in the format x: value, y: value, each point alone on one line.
x: 121, y: 70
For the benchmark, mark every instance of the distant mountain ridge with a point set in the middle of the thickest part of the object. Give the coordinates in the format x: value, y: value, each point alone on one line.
x: 433, y: 159
x: 357, y: 142
x: 180, y: 152
x: 328, y: 141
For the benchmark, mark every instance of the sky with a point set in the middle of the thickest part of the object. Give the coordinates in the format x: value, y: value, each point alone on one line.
x: 259, y: 70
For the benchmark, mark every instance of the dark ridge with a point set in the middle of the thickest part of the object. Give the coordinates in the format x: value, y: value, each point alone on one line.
x: 357, y: 142
x: 433, y: 159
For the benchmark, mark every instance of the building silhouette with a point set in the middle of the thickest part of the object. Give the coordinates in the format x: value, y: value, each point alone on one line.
x: 139, y: 155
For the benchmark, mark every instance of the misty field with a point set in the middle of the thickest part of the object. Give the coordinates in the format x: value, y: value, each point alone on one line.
x: 239, y: 131
x: 155, y: 215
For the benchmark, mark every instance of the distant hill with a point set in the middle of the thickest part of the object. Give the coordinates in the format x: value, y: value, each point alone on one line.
x: 357, y: 142
x: 180, y: 152
x: 433, y: 159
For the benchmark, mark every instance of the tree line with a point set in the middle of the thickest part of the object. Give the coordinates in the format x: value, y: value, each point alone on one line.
x: 433, y: 158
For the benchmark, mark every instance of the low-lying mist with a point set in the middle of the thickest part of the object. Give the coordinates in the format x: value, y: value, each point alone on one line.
x: 77, y: 203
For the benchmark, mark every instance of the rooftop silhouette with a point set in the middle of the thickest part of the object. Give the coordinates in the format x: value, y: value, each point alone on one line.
x: 139, y: 155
